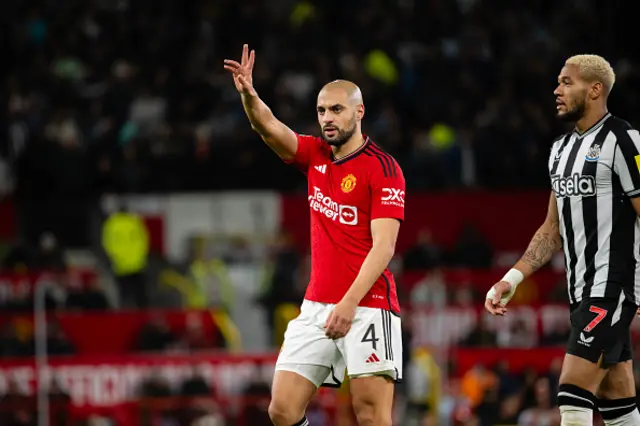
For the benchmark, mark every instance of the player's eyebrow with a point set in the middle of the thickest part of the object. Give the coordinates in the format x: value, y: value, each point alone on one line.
x: 334, y: 106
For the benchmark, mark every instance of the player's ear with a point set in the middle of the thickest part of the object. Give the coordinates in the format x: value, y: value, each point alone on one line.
x: 596, y: 90
x: 359, y: 111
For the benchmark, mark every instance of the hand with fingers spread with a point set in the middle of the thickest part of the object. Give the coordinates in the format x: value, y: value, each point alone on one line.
x: 339, y: 321
x: 498, y: 297
x: 242, y: 71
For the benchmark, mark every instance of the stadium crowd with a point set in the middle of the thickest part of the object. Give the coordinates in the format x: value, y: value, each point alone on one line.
x: 131, y: 95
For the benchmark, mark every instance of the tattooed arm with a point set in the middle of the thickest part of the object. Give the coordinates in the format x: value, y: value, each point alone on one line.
x: 544, y: 243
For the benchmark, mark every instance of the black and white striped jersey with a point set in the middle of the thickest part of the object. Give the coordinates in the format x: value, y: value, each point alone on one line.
x: 594, y: 177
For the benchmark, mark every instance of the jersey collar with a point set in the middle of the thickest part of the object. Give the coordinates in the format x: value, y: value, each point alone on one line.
x: 592, y: 128
x: 354, y: 154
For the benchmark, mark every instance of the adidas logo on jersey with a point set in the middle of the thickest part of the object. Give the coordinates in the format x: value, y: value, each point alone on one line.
x: 372, y: 358
x: 322, y: 169
x: 575, y: 185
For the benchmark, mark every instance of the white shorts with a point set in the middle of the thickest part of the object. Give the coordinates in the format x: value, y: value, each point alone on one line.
x: 373, y: 346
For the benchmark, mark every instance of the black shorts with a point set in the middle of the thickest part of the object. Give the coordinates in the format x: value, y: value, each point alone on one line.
x: 601, y: 328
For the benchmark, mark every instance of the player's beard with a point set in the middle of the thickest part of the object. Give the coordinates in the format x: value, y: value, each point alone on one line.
x: 575, y: 113
x: 342, y: 136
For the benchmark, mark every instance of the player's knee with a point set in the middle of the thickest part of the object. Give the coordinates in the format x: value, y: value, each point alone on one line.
x: 369, y: 413
x: 576, y: 405
x: 283, y: 414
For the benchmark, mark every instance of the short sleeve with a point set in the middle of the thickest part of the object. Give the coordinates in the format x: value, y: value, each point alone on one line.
x: 308, y: 147
x: 388, y: 192
x: 626, y: 162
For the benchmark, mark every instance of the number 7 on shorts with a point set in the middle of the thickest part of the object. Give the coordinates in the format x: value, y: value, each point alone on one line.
x: 601, y: 314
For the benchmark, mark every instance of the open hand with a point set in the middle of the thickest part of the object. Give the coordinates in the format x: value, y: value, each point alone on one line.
x: 242, y: 71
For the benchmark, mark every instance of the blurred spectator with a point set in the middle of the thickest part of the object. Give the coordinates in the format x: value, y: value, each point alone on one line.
x: 518, y: 334
x: 195, y: 385
x: 257, y: 396
x: 194, y: 337
x: 156, y: 336
x: 57, y: 341
x: 554, y: 378
x: 424, y: 382
x: 509, y: 384
x: 481, y: 335
x: 431, y: 291
x: 425, y: 254
x: 558, y: 335
x: 281, y: 277
x: 16, y: 409
x: 12, y: 344
x: 155, y: 385
x: 472, y: 249
x: 477, y: 382
x: 49, y: 256
x: 510, y: 407
x: 60, y: 402
x: 317, y: 414
x: 126, y: 241
x: 542, y: 413
x: 488, y: 411
x: 204, y: 412
x: 19, y: 257
x: 89, y: 298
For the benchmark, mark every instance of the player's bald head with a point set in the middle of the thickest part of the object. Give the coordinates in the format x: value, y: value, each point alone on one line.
x: 352, y: 93
x: 340, y: 110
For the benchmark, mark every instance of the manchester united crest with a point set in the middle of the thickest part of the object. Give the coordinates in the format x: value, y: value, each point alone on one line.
x: 348, y: 183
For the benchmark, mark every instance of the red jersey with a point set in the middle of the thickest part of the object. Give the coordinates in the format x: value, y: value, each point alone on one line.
x: 345, y: 195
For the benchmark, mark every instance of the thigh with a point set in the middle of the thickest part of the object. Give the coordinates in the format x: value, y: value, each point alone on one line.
x: 307, y: 351
x: 581, y: 372
x: 374, y: 344
x: 292, y: 390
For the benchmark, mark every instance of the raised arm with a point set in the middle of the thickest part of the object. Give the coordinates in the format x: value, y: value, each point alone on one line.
x: 276, y: 134
x: 545, y: 242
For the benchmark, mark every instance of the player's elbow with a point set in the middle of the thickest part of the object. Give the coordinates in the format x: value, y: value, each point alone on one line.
x: 386, y: 248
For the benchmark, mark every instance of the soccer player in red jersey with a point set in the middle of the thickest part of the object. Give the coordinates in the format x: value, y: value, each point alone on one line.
x: 350, y: 315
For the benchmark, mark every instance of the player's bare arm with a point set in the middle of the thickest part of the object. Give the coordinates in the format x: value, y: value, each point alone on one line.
x: 544, y: 244
x: 636, y: 204
x: 384, y: 232
x: 276, y: 134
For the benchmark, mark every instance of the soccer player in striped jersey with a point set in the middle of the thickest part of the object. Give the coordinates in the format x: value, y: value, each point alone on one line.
x: 593, y: 216
x: 349, y: 318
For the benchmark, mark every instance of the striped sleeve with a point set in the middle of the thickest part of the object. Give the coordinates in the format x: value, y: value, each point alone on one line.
x: 387, y: 190
x: 627, y: 162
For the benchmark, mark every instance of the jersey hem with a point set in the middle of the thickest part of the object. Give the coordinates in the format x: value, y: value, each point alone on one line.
x: 360, y: 305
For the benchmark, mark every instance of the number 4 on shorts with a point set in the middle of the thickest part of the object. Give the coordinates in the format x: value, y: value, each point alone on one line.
x: 370, y: 336
x: 598, y: 319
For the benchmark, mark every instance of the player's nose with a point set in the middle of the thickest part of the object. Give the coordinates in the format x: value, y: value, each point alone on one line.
x: 327, y: 120
x: 558, y: 91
